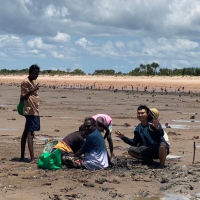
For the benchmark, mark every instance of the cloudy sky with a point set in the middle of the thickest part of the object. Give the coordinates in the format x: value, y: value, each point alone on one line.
x: 99, y: 34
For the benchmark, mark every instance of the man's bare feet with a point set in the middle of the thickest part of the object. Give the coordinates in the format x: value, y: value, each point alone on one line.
x: 33, y: 161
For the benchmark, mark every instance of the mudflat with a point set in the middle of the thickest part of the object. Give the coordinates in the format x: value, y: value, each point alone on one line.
x: 66, y: 101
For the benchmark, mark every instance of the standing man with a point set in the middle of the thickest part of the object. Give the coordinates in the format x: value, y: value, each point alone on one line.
x: 104, y: 122
x: 31, y: 110
x: 148, y: 142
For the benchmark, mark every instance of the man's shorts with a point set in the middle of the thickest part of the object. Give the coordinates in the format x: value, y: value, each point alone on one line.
x: 32, y: 123
x: 148, y: 151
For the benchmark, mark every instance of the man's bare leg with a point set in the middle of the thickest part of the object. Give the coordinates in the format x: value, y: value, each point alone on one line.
x: 162, y: 153
x: 23, y: 144
x: 30, y: 146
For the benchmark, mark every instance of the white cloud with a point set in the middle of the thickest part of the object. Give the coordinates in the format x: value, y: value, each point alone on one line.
x: 42, y: 55
x: 119, y: 44
x: 82, y: 42
x: 38, y: 43
x: 11, y: 41
x: 133, y: 44
x: 34, y: 51
x: 59, y: 68
x: 61, y: 37
x: 183, y: 44
x: 56, y: 55
x: 108, y: 49
x: 117, y: 33
x: 119, y: 67
x: 3, y: 55
x: 109, y: 18
x: 77, y: 66
x: 53, y: 11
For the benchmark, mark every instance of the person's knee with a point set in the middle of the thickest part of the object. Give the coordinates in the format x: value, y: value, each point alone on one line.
x: 30, y: 135
x: 109, y: 137
x: 131, y: 153
x: 162, y: 150
x: 162, y: 147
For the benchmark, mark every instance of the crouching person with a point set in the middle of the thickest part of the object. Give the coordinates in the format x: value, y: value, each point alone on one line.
x: 148, y: 142
x: 94, y: 150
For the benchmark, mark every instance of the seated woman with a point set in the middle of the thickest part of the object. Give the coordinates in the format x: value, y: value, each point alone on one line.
x: 71, y: 143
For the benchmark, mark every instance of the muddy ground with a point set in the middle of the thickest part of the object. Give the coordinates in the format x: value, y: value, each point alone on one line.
x: 62, y: 112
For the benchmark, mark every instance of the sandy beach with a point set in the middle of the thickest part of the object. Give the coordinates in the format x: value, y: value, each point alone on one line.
x: 64, y: 103
x: 104, y: 82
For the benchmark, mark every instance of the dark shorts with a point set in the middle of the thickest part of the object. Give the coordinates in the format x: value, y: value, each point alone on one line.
x: 32, y: 123
x: 150, y: 151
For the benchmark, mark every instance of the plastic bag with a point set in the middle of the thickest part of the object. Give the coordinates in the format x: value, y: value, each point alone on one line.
x: 50, y: 161
x: 20, y: 108
x: 49, y: 144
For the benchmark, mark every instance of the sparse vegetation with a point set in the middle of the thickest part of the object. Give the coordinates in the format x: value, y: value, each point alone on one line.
x: 144, y: 70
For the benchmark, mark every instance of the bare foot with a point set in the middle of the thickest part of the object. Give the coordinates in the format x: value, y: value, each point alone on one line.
x: 33, y: 161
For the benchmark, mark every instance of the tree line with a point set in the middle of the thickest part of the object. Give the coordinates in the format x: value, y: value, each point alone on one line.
x: 143, y: 70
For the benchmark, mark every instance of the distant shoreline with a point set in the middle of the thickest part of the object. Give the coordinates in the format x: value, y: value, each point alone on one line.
x: 185, y: 83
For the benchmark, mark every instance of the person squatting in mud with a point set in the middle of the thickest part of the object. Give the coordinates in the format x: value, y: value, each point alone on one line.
x: 148, y: 142
x: 94, y: 150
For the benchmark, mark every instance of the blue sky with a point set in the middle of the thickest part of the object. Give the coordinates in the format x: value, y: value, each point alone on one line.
x: 99, y: 34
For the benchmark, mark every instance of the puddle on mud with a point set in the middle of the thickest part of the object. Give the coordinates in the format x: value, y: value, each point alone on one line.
x: 41, y: 138
x: 180, y: 126
x: 65, y: 117
x: 182, y: 120
x: 3, y: 105
x: 8, y: 129
x: 175, y: 197
x: 185, y: 113
x: 116, y: 138
x: 173, y: 156
x: 176, y: 126
x: 166, y: 197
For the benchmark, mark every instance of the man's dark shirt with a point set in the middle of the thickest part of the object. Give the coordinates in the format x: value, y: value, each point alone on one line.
x: 74, y: 140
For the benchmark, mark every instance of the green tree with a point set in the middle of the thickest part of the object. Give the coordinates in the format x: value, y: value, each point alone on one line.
x: 104, y: 72
x: 78, y: 72
x: 143, y: 68
x: 155, y: 66
x: 135, y: 72
x: 165, y: 72
x: 149, y: 70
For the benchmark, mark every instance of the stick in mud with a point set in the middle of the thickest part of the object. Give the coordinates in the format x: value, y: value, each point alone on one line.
x: 194, y: 153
